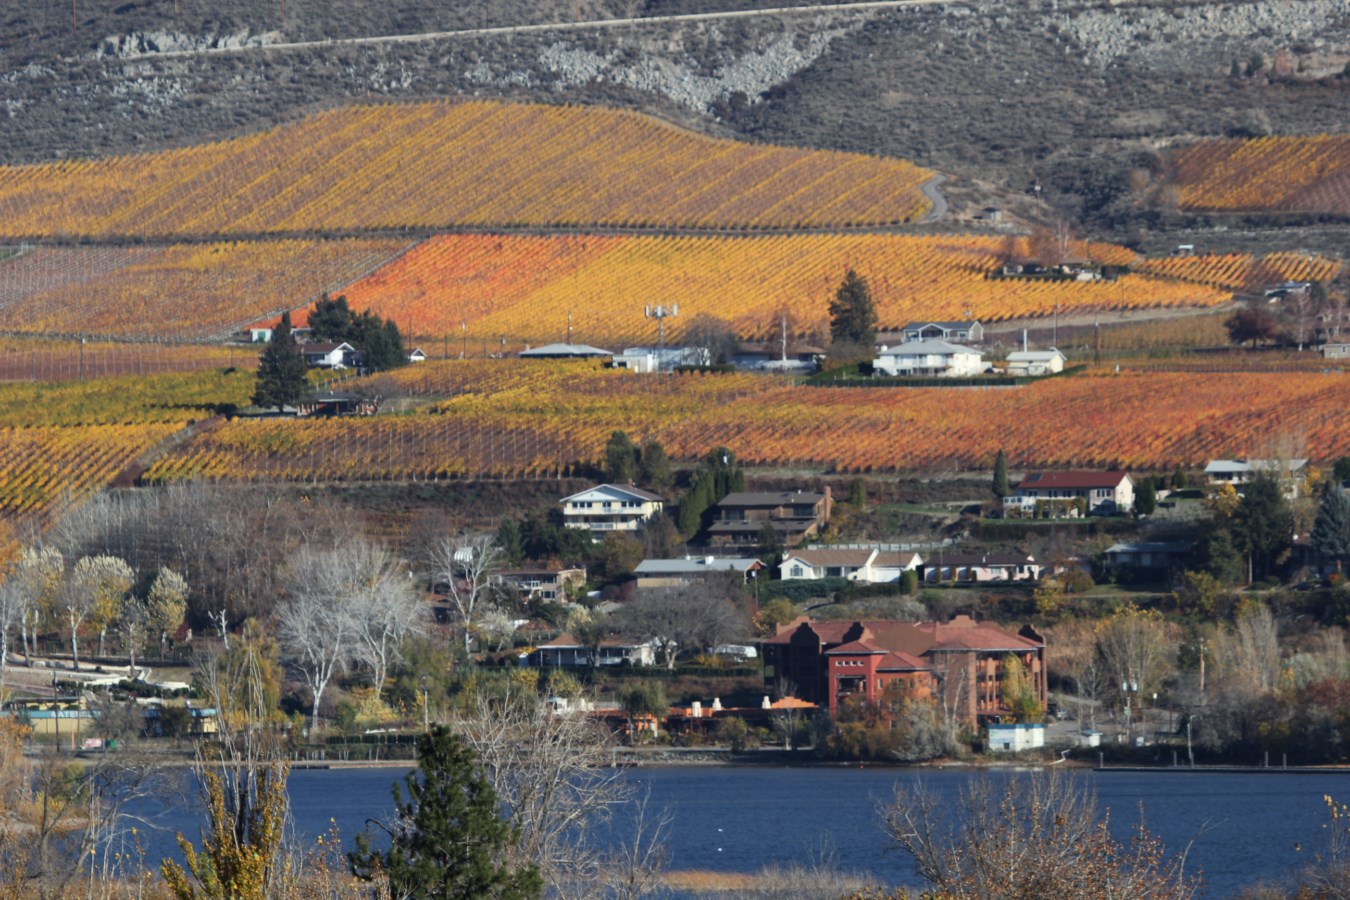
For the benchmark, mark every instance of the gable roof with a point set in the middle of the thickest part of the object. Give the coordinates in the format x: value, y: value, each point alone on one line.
x: 818, y: 558
x: 1039, y: 480
x: 1035, y: 355
x: 946, y: 326
x: 564, y: 350
x: 1234, y: 467
x: 769, y: 499
x: 928, y: 347
x: 325, y: 347
x: 691, y: 566
x: 625, y: 489
x: 912, y: 639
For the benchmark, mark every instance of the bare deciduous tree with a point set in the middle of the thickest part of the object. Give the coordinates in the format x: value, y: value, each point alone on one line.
x: 1036, y: 836
x: 464, y: 565
x: 314, y: 622
x: 685, y: 619
x: 385, y: 610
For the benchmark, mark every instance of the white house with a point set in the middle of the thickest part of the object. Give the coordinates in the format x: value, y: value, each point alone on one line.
x: 417, y: 356
x: 1336, y: 351
x: 1015, y: 738
x: 928, y: 357
x: 328, y: 356
x: 871, y: 565
x: 1288, y: 472
x: 611, y: 507
x: 943, y: 331
x: 1105, y: 493
x: 979, y: 567
x: 1035, y: 362
x: 657, y: 359
x: 566, y: 650
x: 565, y: 351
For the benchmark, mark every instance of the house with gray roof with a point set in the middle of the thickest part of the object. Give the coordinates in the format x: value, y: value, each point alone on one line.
x: 928, y: 357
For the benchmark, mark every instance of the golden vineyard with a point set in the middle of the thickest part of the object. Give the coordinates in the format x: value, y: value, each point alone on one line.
x: 444, y: 165
x: 1272, y: 174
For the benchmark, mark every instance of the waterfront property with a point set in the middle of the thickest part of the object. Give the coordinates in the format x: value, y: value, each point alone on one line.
x: 963, y: 662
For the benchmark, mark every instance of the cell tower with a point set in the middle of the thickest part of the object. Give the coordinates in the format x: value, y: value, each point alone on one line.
x: 660, y: 314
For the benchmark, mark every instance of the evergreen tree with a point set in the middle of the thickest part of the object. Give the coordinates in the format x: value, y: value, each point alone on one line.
x: 281, y: 371
x: 509, y: 539
x: 1216, y: 556
x: 1262, y: 524
x: 654, y: 467
x: 451, y: 840
x: 1331, y: 529
x: 331, y: 319
x: 853, y: 315
x: 1001, y: 488
x: 1340, y: 470
x: 621, y: 459
x: 1146, y: 498
x: 378, y: 340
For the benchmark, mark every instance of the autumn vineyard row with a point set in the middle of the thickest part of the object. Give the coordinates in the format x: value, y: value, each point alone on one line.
x: 442, y: 165
x: 501, y: 423
x: 1271, y: 174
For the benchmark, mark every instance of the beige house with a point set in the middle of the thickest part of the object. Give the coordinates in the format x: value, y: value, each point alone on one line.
x: 611, y: 507
x: 1035, y: 362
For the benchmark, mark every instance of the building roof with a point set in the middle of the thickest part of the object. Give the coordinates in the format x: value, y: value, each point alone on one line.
x: 1177, y: 547
x: 327, y: 347
x: 912, y: 639
x: 815, y: 558
x: 555, y: 351
x: 984, y: 559
x: 948, y: 326
x: 1237, y: 467
x: 627, y: 489
x: 526, y: 573
x: 1034, y: 355
x: 695, y: 566
x: 566, y: 641
x: 1039, y: 480
x: 774, y: 348
x: 931, y: 347
x: 768, y: 499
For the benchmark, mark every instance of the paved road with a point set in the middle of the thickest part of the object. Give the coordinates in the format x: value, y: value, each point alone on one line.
x: 932, y: 189
x: 549, y: 26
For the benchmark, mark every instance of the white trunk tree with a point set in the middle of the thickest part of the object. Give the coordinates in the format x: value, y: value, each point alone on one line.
x: 14, y: 603
x: 166, y: 604
x: 385, y: 610
x: 465, y: 565
x: 39, y: 575
x: 95, y: 591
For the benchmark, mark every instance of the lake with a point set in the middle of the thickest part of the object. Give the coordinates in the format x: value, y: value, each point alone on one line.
x: 1244, y: 827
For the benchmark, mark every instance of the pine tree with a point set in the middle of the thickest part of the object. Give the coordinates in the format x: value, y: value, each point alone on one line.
x: 621, y: 459
x: 1001, y: 488
x: 451, y: 840
x: 1262, y: 524
x: 853, y: 315
x: 654, y: 466
x: 1146, y: 498
x: 1331, y: 529
x: 281, y: 371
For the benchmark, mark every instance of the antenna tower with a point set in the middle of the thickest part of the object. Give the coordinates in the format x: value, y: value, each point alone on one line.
x: 660, y: 314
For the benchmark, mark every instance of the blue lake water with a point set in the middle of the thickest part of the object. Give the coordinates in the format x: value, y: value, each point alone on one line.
x: 1243, y: 827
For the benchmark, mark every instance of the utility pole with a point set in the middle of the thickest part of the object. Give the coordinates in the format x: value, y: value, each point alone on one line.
x: 660, y: 314
x: 463, y: 339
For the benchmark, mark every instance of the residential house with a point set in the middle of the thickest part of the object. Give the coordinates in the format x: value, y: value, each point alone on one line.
x: 739, y: 518
x: 665, y: 573
x: 929, y: 357
x: 417, y: 356
x: 329, y: 355
x: 1160, y: 555
x: 957, y: 332
x: 541, y: 585
x: 772, y: 355
x: 660, y: 359
x: 339, y: 404
x: 1035, y: 362
x: 611, y: 507
x: 961, y: 661
x: 565, y: 351
x: 1103, y: 493
x: 869, y: 565
x: 981, y: 567
x: 1288, y: 472
x: 566, y: 651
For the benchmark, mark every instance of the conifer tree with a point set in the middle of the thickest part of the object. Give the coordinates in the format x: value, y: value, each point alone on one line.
x: 1331, y: 529
x: 281, y: 372
x: 451, y: 840
x: 853, y: 315
x: 1001, y: 488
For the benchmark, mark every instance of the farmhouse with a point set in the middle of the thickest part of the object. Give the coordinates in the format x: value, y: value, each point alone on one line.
x: 739, y: 518
x: 1101, y: 493
x: 1035, y: 362
x: 962, y: 661
x: 928, y: 357
x: 663, y: 573
x: 961, y: 332
x: 870, y: 565
x: 329, y: 356
x: 611, y: 507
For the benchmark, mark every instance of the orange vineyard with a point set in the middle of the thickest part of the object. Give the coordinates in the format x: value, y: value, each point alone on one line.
x: 523, y: 288
x: 178, y: 292
x: 441, y: 165
x: 1242, y: 271
x: 512, y: 418
x: 1273, y: 174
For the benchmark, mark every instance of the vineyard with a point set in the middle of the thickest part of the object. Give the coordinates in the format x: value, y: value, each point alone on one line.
x: 508, y: 419
x: 1242, y: 271
x: 129, y: 399
x: 443, y: 165
x: 46, y: 359
x: 1272, y: 174
x: 528, y: 289
x: 178, y: 292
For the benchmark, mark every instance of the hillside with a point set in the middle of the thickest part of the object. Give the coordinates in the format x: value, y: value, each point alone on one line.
x: 1081, y: 97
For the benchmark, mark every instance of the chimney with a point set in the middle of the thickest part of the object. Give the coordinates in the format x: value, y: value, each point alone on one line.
x: 765, y: 704
x: 697, y: 711
x: 717, y: 704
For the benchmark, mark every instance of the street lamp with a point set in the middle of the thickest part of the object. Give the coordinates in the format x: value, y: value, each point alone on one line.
x: 1125, y: 688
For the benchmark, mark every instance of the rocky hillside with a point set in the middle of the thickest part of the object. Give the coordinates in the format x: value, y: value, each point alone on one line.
x: 1080, y: 97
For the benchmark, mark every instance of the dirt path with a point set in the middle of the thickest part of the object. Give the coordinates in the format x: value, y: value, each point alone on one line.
x: 932, y: 189
x: 550, y: 26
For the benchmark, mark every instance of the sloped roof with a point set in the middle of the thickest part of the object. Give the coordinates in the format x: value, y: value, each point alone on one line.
x: 694, y: 566
x: 768, y: 498
x: 949, y: 326
x: 564, y: 350
x: 1039, y: 480
x: 621, y: 489
x: 985, y: 559
x: 914, y: 639
x: 1034, y: 355
x: 928, y: 348
x: 857, y: 558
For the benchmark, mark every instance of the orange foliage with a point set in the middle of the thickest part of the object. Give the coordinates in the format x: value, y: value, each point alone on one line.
x: 1275, y: 174
x: 438, y: 165
x: 514, y: 418
x: 522, y: 288
x: 1242, y: 271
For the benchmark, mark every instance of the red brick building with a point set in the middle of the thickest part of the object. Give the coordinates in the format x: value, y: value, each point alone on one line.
x: 961, y: 662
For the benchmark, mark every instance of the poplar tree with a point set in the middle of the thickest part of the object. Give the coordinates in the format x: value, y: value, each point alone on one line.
x: 1001, y: 488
